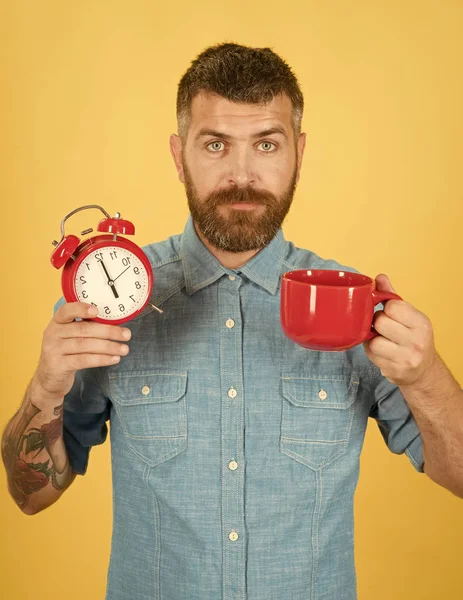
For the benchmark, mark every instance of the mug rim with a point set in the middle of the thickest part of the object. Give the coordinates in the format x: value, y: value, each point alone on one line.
x: 287, y: 277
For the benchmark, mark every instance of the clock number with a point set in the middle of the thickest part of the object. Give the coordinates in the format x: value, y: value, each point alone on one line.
x: 93, y: 303
x: 84, y: 294
x: 111, y: 255
x: 126, y: 261
x: 88, y: 266
x: 132, y: 298
x: 107, y: 311
x: 137, y: 285
x: 99, y: 256
x: 82, y: 278
x: 136, y: 270
x: 121, y: 307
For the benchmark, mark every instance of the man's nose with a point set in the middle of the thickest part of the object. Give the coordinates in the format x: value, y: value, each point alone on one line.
x: 241, y: 169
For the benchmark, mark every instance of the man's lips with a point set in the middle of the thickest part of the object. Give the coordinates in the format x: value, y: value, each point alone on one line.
x: 243, y: 206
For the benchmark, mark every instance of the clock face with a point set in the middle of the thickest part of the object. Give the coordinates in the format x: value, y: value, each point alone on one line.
x: 115, y: 280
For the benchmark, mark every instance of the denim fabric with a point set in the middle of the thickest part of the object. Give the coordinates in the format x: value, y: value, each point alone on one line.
x: 235, y: 452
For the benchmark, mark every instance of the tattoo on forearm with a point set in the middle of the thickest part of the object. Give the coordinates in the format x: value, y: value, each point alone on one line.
x: 25, y: 476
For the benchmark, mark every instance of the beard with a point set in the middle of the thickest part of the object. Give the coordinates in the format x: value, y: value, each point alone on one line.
x: 234, y: 230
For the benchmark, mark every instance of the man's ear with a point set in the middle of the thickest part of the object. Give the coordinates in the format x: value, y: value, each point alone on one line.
x: 300, y: 154
x: 176, y: 150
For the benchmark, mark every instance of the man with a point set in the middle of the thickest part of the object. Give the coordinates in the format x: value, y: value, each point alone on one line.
x: 235, y: 452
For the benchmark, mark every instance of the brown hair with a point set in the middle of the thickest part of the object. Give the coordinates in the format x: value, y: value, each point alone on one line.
x: 239, y: 74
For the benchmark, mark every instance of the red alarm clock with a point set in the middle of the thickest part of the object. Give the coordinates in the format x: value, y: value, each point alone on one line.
x: 108, y: 271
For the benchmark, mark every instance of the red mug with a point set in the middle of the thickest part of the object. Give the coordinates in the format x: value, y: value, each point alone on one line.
x: 329, y: 310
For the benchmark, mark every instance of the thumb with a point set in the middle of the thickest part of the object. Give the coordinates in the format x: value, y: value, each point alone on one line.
x: 383, y: 284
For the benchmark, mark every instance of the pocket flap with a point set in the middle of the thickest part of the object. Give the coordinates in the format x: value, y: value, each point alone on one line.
x: 319, y: 391
x: 147, y: 387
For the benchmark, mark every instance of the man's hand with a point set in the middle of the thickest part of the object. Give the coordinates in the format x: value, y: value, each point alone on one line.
x: 404, y: 351
x: 70, y: 345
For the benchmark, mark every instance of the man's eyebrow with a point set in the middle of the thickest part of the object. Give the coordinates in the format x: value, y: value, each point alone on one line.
x: 212, y: 132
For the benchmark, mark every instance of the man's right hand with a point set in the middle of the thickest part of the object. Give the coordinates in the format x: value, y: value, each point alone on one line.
x: 70, y: 345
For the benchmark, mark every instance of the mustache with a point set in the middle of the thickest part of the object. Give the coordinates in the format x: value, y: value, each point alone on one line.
x: 242, y: 196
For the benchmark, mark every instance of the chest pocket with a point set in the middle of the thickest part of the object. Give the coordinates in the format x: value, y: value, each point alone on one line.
x: 151, y: 406
x: 316, y: 420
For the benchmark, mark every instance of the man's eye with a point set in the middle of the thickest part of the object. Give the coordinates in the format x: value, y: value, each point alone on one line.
x: 215, y: 149
x: 267, y: 144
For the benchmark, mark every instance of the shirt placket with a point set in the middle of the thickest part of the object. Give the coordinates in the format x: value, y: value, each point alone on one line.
x: 232, y: 395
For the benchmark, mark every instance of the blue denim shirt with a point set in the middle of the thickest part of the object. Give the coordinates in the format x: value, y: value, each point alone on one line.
x: 235, y: 452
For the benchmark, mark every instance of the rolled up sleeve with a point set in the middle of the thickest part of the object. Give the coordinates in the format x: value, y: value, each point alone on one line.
x: 85, y: 413
x: 395, y: 421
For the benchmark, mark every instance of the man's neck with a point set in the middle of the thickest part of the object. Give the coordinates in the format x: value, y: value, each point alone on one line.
x: 230, y: 260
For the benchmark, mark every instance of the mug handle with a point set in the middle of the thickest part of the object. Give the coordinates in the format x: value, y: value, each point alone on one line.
x: 377, y: 298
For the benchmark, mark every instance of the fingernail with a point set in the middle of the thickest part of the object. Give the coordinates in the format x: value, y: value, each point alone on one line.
x: 126, y: 334
x: 92, y: 310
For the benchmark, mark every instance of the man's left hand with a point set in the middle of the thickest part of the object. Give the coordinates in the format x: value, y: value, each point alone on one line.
x: 404, y: 351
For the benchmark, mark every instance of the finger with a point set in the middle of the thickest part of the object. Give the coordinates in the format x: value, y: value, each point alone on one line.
x: 381, y: 347
x: 381, y: 363
x: 383, y: 283
x: 73, y: 310
x: 92, y: 346
x: 403, y: 313
x: 94, y: 330
x: 366, y: 347
x: 77, y: 362
x: 373, y: 357
x: 392, y: 330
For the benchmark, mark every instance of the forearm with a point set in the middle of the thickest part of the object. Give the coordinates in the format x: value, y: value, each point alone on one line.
x: 33, y: 451
x: 437, y: 405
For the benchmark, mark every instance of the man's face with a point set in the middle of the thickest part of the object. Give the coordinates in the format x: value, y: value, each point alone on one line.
x: 239, y: 176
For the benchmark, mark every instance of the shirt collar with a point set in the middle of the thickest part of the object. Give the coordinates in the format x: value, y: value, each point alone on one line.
x: 201, y: 267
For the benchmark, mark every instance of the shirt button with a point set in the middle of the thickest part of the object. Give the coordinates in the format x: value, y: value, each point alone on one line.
x: 232, y: 393
x: 233, y: 536
x: 233, y: 465
x: 230, y: 323
x: 145, y: 390
x: 322, y: 394
x: 231, y: 277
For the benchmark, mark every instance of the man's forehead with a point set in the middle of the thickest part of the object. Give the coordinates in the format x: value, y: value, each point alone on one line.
x: 211, y: 109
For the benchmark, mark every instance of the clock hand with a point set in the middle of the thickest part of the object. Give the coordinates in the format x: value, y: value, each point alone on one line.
x: 121, y: 273
x: 110, y: 281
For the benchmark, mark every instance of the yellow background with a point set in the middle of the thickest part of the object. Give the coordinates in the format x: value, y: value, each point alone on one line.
x: 87, y: 105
